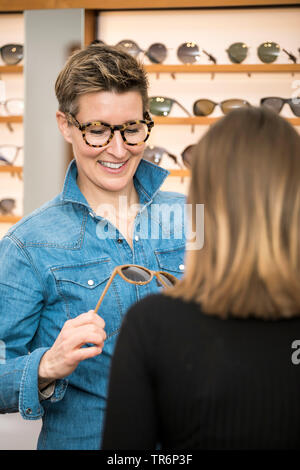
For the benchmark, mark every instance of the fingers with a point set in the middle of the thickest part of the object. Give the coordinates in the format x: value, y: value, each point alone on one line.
x: 90, y: 333
x: 86, y: 318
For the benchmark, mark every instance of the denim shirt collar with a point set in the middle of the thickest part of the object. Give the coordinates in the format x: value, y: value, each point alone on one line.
x: 148, y: 179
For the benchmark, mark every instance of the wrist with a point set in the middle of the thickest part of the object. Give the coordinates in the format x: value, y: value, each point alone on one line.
x: 45, y: 377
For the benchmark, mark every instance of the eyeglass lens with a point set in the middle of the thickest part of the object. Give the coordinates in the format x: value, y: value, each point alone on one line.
x: 188, y: 53
x: 12, y: 54
x: 7, y: 206
x: 168, y: 281
x: 98, y: 134
x: 136, y: 274
x: 160, y: 106
x: 268, y: 52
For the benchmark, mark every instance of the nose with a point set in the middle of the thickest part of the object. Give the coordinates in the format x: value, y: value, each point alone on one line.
x: 116, y: 146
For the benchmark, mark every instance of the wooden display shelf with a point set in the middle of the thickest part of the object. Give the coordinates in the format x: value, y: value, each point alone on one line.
x: 9, y: 219
x: 11, y: 69
x: 11, y: 169
x: 201, y: 121
x: 223, y: 68
x: 11, y: 119
x: 19, y: 5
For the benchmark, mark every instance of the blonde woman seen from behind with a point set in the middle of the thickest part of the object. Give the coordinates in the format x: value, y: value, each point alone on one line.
x: 213, y: 362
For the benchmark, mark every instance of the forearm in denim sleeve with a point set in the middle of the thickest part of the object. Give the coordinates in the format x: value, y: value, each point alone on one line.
x: 19, y: 386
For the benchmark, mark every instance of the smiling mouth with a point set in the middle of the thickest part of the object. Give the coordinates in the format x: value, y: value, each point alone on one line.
x: 114, y: 166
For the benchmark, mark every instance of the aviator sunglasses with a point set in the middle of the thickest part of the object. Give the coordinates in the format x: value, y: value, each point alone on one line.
x: 267, y: 52
x: 139, y: 275
x: 276, y: 104
x: 12, y: 54
x: 161, y: 106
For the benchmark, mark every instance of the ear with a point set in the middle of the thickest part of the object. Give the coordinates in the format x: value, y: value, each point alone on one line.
x: 64, y: 126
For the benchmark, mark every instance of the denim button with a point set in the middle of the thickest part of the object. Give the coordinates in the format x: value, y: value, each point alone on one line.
x: 181, y: 267
x: 120, y: 240
x: 28, y: 411
x: 136, y: 238
x: 91, y: 282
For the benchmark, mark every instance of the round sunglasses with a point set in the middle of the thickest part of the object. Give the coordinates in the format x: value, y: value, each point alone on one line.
x: 9, y: 154
x: 139, y: 275
x: 267, y: 52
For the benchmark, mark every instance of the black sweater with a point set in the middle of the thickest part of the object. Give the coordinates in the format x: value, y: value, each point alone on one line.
x: 186, y: 380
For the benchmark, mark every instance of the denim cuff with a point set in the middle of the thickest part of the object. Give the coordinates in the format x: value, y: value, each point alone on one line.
x: 29, y: 400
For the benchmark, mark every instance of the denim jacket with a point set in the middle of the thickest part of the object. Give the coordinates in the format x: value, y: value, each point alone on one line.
x: 54, y: 265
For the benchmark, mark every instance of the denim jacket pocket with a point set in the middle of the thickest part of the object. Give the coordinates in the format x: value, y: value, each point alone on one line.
x: 171, y: 260
x: 80, y: 286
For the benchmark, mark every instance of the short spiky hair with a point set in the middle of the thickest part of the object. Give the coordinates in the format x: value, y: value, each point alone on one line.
x: 99, y: 68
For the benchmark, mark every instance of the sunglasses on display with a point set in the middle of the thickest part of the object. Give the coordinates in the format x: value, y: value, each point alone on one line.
x: 9, y: 154
x: 99, y: 134
x: 12, y: 54
x: 276, y: 104
x: 154, y: 154
x: 187, y: 53
x: 13, y: 107
x: 161, y: 106
x: 7, y: 206
x: 267, y: 52
x: 138, y: 275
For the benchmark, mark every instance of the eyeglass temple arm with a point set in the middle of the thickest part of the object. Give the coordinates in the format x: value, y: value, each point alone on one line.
x: 105, y: 289
x: 182, y: 107
x: 291, y: 56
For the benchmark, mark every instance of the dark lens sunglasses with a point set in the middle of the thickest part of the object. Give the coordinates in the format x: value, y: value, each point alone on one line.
x: 138, y: 275
x: 12, y: 54
x: 161, y: 105
x: 154, y: 154
x: 7, y: 206
x: 267, y: 52
x: 189, y: 53
x: 156, y: 53
x: 204, y: 107
x: 276, y: 104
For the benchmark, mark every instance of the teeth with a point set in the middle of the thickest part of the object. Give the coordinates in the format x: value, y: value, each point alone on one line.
x: 112, y: 165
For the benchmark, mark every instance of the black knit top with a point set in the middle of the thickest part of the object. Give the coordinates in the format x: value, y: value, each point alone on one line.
x: 181, y: 379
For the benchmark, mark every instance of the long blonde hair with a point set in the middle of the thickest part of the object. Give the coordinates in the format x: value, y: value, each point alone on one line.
x: 246, y: 172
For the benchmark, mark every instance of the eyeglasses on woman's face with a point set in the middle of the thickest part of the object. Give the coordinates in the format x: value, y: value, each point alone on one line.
x: 139, y: 275
x: 99, y: 134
